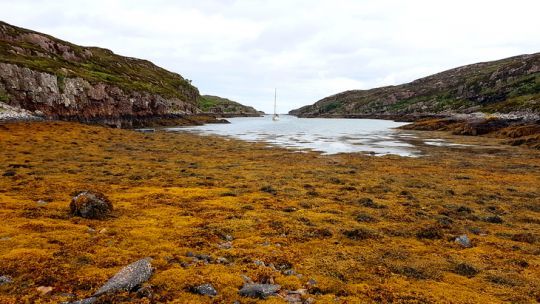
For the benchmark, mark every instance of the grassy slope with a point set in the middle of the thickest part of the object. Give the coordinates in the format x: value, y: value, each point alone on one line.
x: 207, y: 103
x: 490, y: 87
x: 172, y: 195
x: 103, y: 66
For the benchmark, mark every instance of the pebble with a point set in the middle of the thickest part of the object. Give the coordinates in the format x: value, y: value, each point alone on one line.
x: 261, y: 291
x: 5, y: 280
x: 205, y: 290
x: 225, y: 245
x: 44, y: 289
x: 259, y: 263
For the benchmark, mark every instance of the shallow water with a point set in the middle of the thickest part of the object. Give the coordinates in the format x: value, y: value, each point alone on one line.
x: 326, y: 135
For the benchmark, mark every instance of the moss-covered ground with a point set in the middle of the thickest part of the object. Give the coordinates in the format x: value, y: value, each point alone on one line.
x: 353, y: 228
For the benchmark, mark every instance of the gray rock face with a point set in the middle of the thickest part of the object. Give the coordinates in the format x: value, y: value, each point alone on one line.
x: 76, y: 98
x: 261, y: 291
x: 5, y: 280
x: 205, y: 290
x: 128, y: 277
x: 91, y: 205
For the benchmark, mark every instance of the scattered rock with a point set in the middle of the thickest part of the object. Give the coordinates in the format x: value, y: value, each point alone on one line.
x: 225, y: 245
x: 222, y: 260
x: 259, y: 263
x: 365, y: 218
x: 128, y: 277
x: 524, y: 237
x: 431, y: 233
x: 261, y: 291
x: 289, y: 272
x: 466, y: 270
x: 5, y: 280
x: 91, y: 300
x: 228, y: 237
x: 269, y: 189
x: 247, y: 279
x: 205, y: 290
x: 9, y: 173
x: 359, y: 234
x: 41, y: 203
x: 495, y: 219
x: 44, y: 290
x: 91, y: 205
x: 290, y: 209
x: 369, y: 203
x: 464, y: 241
x: 145, y: 292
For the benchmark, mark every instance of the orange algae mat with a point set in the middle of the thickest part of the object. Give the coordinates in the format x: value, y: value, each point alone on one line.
x: 343, y: 228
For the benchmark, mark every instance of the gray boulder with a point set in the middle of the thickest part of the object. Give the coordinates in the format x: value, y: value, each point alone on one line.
x: 205, y: 290
x: 261, y: 291
x: 128, y: 277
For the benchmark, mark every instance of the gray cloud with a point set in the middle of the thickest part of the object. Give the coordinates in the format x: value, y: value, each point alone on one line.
x: 307, y: 49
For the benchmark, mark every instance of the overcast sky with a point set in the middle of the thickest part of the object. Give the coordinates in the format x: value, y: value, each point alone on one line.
x: 307, y: 49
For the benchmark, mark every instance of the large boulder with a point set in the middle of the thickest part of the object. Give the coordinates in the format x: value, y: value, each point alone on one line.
x: 128, y: 278
x: 91, y: 205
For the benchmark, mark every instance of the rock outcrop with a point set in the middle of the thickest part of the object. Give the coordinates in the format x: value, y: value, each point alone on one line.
x: 510, y: 85
x: 55, y: 79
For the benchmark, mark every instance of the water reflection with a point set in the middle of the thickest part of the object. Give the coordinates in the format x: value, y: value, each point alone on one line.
x: 329, y: 136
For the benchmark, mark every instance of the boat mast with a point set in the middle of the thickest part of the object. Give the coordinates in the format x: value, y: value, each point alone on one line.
x: 275, y: 95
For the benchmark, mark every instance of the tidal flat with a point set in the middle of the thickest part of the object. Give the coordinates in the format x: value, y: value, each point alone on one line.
x: 343, y: 228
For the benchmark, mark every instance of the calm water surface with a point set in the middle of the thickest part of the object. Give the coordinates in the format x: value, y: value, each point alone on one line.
x: 329, y: 136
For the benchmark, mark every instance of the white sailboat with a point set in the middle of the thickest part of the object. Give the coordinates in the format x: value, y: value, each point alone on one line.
x: 275, y: 117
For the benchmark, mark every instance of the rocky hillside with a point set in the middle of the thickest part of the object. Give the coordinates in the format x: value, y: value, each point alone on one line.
x: 503, y: 86
x: 57, y: 79
x: 225, y: 107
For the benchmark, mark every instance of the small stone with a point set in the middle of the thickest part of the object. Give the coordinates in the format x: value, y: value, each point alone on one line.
x: 225, y: 245
x: 246, y: 279
x: 41, y: 203
x: 464, y: 241
x: 261, y: 291
x: 309, y: 301
x: 5, y: 280
x: 44, y: 289
x: 9, y: 173
x: 205, y: 290
x: 259, y: 263
x: 145, y: 292
x: 222, y: 260
x: 495, y: 219
x: 228, y: 237
x: 289, y: 272
x: 91, y: 205
x: 204, y: 257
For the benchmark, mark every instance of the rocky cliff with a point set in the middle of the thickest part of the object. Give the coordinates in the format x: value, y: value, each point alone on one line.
x: 503, y: 86
x: 225, y: 107
x: 56, y: 79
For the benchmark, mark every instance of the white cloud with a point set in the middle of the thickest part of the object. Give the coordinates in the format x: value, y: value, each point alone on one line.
x: 307, y: 49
